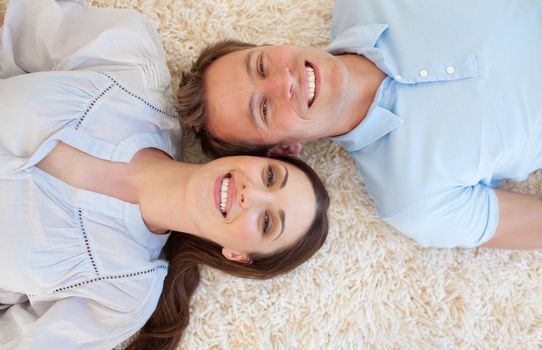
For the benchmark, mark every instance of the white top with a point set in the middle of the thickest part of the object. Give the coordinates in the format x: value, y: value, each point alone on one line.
x: 78, y: 270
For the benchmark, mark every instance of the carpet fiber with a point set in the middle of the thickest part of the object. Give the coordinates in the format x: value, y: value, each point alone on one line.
x: 369, y: 287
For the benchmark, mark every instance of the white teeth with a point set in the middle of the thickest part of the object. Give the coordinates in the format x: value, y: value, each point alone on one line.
x: 224, y: 194
x: 311, y: 85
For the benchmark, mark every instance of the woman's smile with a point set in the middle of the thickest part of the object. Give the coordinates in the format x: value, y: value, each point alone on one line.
x: 224, y: 193
x: 244, y: 203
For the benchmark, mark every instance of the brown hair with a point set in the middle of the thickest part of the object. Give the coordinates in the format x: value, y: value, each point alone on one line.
x: 192, y: 103
x: 163, y: 331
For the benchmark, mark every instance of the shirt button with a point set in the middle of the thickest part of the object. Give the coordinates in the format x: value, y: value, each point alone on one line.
x: 450, y: 70
x: 398, y: 77
x: 423, y: 73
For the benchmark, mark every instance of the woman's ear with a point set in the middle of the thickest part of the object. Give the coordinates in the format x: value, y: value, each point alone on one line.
x: 235, y: 256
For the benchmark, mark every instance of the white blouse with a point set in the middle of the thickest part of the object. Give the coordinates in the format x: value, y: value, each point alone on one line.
x: 78, y: 269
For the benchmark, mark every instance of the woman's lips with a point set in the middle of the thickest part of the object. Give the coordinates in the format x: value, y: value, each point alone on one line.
x: 231, y: 194
x: 218, y: 190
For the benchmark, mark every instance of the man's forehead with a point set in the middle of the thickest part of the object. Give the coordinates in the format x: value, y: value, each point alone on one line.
x: 230, y: 100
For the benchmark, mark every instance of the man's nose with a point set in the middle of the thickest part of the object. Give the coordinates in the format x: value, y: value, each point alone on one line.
x: 280, y: 83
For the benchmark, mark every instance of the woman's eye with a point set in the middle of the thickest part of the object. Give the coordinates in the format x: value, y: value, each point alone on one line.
x: 270, y: 176
x: 266, y: 222
x: 264, y: 109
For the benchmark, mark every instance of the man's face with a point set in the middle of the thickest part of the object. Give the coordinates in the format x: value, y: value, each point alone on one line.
x: 275, y: 95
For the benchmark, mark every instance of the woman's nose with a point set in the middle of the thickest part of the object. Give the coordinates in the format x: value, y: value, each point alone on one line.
x: 250, y: 196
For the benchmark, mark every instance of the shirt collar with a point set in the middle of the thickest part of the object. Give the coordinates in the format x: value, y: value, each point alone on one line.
x: 357, y: 39
x: 378, y: 123
x: 361, y: 39
x: 136, y: 226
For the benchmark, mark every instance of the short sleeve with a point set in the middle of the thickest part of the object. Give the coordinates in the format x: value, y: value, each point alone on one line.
x: 463, y: 217
x: 44, y: 35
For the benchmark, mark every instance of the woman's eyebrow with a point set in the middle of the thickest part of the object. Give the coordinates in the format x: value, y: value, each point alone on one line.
x: 285, y: 178
x: 283, y: 221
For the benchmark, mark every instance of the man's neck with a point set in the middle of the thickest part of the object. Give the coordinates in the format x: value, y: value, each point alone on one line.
x: 365, y: 79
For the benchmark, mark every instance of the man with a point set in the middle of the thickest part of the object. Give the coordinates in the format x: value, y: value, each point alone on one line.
x: 436, y: 101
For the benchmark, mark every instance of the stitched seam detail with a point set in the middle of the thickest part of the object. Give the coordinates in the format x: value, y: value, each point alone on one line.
x: 82, y: 118
x: 148, y: 104
x: 110, y: 277
x: 87, y: 243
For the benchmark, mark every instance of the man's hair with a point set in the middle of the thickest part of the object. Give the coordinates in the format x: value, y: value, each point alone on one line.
x: 193, y: 107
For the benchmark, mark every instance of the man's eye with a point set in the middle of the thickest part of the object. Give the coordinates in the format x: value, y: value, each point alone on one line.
x: 270, y: 177
x: 261, y: 68
x: 266, y: 222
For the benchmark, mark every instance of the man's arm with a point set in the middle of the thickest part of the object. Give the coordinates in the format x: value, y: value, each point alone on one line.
x: 520, y: 222
x: 1, y: 20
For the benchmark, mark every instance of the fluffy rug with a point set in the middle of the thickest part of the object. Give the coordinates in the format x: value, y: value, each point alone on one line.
x: 369, y: 286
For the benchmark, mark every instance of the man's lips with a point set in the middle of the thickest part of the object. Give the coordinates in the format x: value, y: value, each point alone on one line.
x: 316, y: 82
x: 305, y: 83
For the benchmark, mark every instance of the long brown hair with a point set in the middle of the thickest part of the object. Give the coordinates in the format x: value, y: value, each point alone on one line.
x: 192, y: 103
x: 163, y: 331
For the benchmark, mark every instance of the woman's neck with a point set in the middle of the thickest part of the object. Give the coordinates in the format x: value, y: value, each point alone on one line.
x: 160, y: 186
x: 152, y: 179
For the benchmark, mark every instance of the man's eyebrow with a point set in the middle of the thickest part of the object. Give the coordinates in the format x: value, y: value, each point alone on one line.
x: 285, y: 178
x: 283, y: 221
x: 252, y: 101
x: 251, y: 109
x: 248, y: 60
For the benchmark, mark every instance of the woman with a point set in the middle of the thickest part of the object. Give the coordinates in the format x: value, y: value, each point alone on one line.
x: 93, y: 201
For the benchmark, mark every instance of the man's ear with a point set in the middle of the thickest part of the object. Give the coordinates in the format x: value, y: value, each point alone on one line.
x: 235, y: 256
x: 284, y: 150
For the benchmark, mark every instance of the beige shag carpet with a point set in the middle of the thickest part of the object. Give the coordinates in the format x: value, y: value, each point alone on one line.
x: 369, y: 287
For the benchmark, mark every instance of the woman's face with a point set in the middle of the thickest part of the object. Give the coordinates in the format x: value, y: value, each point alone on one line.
x: 251, y: 204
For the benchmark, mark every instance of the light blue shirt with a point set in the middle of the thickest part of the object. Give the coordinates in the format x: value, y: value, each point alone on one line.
x: 78, y: 269
x: 460, y: 110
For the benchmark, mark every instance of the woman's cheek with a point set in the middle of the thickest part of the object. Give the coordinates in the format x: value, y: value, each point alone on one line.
x: 246, y: 233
